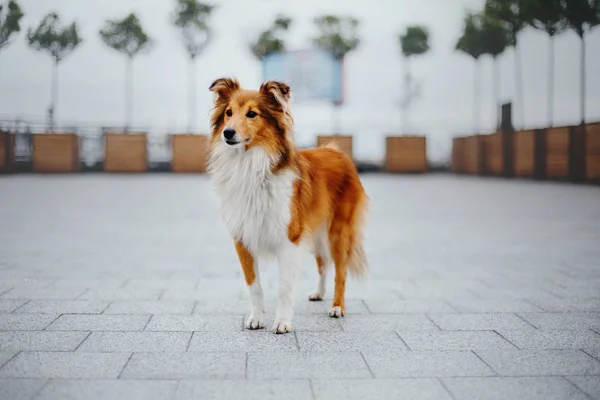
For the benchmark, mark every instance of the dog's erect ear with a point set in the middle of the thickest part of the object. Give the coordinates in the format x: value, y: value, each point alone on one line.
x: 224, y: 87
x: 278, y: 91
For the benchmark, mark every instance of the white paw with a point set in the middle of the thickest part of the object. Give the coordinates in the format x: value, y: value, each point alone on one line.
x: 315, y: 296
x: 254, y: 323
x: 337, y: 312
x: 282, y: 327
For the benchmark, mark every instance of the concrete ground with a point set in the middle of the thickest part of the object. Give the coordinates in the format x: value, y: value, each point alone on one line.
x: 128, y: 287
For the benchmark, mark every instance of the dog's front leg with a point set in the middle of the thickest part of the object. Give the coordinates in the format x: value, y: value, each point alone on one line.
x: 252, y: 277
x: 289, y: 258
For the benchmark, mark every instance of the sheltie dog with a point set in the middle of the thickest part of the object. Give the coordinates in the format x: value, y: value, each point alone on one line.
x: 277, y: 201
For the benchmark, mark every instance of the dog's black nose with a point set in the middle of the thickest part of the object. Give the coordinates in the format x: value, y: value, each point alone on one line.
x: 229, y: 133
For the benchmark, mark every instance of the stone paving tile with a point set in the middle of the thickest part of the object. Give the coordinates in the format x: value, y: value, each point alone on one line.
x: 594, y: 352
x: 150, y: 307
x: 19, y: 389
x: 590, y: 304
x: 502, y: 388
x: 80, y: 322
x: 288, y: 389
x: 104, y: 283
x: 494, y: 306
x: 7, y: 305
x: 345, y: 341
x: 28, y: 322
x: 283, y: 365
x: 122, y: 294
x: 262, y: 340
x: 205, y: 365
x: 479, y: 322
x: 540, y: 362
x: 454, y: 340
x: 67, y: 365
x: 311, y: 323
x: 5, y: 356
x: 552, y: 339
x: 387, y: 322
x: 587, y: 384
x: 409, y: 307
x: 103, y: 389
x: 170, y: 284
x: 23, y: 282
x: 63, y: 307
x: 41, y: 340
x: 229, y: 323
x: 389, y: 389
x: 135, y: 342
x: 44, y: 293
x: 425, y: 364
x: 563, y: 320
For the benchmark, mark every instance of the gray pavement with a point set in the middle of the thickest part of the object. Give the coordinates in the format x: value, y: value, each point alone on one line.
x: 127, y: 287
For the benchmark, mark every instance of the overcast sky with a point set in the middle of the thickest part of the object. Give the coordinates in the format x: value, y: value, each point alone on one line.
x: 92, y: 78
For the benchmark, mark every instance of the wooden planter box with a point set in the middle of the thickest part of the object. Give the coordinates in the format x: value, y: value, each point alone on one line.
x: 343, y: 142
x: 524, y: 150
x: 55, y: 152
x: 493, y: 154
x: 189, y: 153
x: 473, y: 155
x: 457, y: 163
x: 406, y: 154
x: 592, y: 159
x: 7, y: 152
x: 557, y: 152
x: 125, y: 152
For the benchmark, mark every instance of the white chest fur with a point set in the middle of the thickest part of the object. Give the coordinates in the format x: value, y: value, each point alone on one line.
x: 254, y: 203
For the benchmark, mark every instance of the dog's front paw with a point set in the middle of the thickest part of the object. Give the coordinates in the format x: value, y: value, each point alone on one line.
x: 315, y: 296
x: 337, y: 312
x: 254, y: 322
x: 282, y: 326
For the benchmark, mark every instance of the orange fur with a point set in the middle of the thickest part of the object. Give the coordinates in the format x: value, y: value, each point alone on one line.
x: 328, y: 193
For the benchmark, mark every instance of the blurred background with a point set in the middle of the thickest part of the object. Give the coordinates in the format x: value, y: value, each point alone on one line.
x: 448, y: 93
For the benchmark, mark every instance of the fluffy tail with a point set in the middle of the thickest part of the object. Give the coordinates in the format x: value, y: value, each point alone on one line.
x: 358, y: 267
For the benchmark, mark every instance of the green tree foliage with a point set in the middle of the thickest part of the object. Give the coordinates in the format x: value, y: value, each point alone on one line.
x: 582, y: 16
x: 270, y: 41
x: 470, y: 43
x: 191, y: 17
x: 337, y: 35
x: 547, y: 16
x: 58, y: 42
x: 9, y: 22
x: 414, y: 41
x: 128, y: 37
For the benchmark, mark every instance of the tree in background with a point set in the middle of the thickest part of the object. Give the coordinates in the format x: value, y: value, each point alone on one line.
x: 547, y: 16
x: 191, y: 17
x: 494, y: 40
x: 509, y: 14
x: 582, y: 16
x: 270, y: 41
x: 128, y: 37
x: 413, y: 42
x: 57, y: 41
x: 470, y: 43
x: 9, y: 23
x: 338, y: 36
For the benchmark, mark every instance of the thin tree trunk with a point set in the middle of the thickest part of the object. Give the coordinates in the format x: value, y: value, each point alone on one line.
x: 336, y: 118
x: 128, y: 92
x: 54, y: 94
x: 497, y: 92
x: 192, y: 96
x: 519, y: 86
x: 582, y: 78
x: 405, y: 106
x: 476, y: 97
x: 551, y: 82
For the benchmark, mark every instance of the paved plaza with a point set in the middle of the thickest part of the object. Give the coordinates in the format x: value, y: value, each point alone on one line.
x: 124, y: 287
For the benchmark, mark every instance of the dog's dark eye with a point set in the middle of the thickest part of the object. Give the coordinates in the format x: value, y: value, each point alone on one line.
x: 251, y: 114
x: 229, y: 113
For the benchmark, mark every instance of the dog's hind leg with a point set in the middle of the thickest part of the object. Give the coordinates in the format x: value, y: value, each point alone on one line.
x: 319, y: 292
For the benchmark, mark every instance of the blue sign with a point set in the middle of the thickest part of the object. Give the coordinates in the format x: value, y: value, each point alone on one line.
x: 313, y: 74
